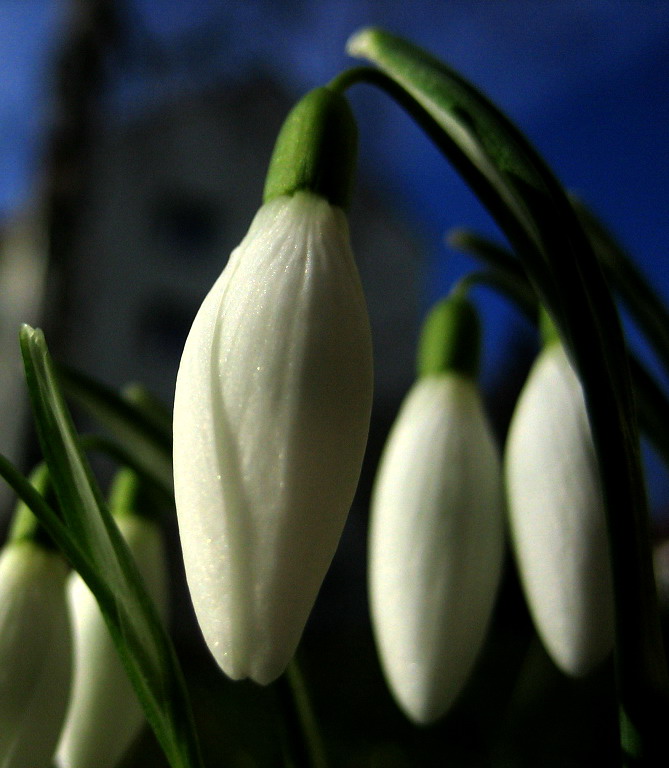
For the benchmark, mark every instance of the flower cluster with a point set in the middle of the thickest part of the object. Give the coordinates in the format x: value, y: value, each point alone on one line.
x: 35, y: 653
x: 271, y: 414
x: 436, y: 533
x: 104, y: 716
x: 63, y: 689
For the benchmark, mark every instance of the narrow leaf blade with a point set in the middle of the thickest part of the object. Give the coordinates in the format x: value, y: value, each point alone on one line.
x: 109, y: 569
x: 136, y: 421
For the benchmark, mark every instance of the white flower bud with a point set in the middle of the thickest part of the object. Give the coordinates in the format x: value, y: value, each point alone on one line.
x: 104, y: 716
x: 271, y: 416
x: 35, y: 654
x: 436, y: 543
x: 557, y: 516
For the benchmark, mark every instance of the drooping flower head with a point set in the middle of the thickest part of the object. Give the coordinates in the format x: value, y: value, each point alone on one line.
x: 272, y: 404
x: 35, y: 643
x: 104, y: 716
x: 436, y: 529
x: 556, y: 514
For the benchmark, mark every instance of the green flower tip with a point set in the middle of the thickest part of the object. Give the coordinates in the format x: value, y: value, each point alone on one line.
x: 130, y: 496
x: 450, y: 339
x: 25, y: 526
x: 315, y: 150
x: 123, y: 493
x: 547, y: 328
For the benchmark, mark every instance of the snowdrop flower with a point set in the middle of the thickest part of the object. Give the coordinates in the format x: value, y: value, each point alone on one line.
x: 436, y: 529
x: 557, y: 516
x: 104, y: 715
x: 35, y: 647
x: 272, y: 405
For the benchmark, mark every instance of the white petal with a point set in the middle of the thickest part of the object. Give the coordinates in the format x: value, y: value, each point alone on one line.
x: 35, y: 654
x: 270, y: 423
x: 436, y: 544
x: 104, y: 716
x: 557, y: 516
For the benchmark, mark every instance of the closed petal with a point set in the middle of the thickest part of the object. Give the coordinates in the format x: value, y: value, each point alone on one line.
x: 104, y: 715
x: 557, y: 516
x: 35, y: 654
x: 270, y: 423
x: 436, y: 544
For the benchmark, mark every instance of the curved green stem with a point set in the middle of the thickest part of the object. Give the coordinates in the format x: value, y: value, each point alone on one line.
x: 352, y: 76
x: 626, y: 279
x: 99, y: 444
x: 302, y: 739
x: 136, y: 421
x: 652, y: 404
x: 530, y: 206
x: 518, y: 294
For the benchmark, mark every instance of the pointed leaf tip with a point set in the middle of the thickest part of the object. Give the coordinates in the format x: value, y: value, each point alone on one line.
x: 361, y: 41
x: 25, y: 333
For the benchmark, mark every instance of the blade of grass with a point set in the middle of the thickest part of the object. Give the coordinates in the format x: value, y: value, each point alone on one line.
x: 140, y: 426
x: 92, y: 542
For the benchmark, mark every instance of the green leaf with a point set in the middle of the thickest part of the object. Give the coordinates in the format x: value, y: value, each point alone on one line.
x: 137, y: 421
x: 90, y: 539
x: 152, y: 410
x: 45, y: 514
x: 163, y: 495
x: 625, y: 278
x: 652, y: 408
x: 533, y: 210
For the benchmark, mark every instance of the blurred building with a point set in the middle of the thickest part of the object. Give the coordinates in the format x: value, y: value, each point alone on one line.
x: 23, y: 262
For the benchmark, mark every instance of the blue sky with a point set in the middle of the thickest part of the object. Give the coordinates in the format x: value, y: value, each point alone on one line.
x: 585, y: 79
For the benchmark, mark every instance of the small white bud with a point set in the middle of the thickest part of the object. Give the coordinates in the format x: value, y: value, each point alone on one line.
x: 436, y: 543
x: 557, y: 516
x: 104, y: 716
x: 35, y: 654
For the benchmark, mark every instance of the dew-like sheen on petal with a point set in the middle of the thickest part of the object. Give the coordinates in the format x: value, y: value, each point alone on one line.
x: 270, y: 423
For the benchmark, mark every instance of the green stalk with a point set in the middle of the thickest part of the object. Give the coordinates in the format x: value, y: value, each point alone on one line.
x: 302, y: 739
x: 636, y: 292
x: 652, y: 404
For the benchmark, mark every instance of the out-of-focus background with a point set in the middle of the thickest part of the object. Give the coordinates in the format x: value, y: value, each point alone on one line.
x: 134, y: 138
